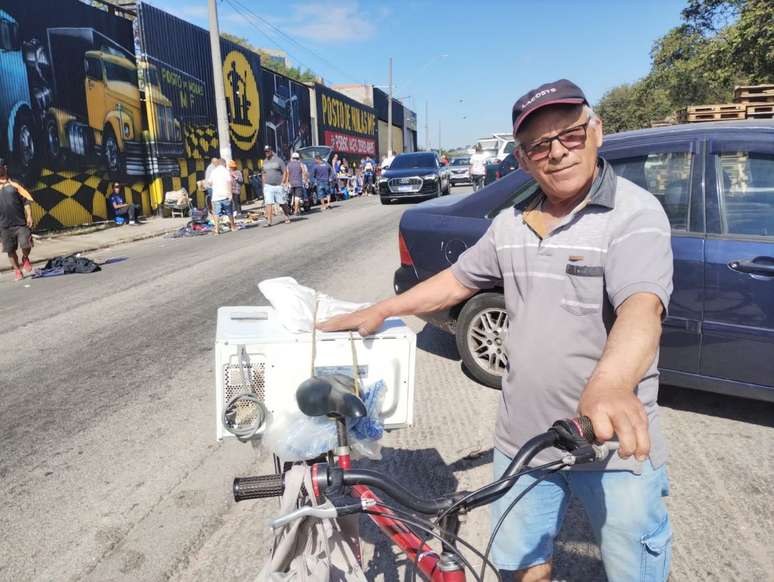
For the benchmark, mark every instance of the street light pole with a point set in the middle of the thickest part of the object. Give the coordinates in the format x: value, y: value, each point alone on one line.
x: 427, y: 125
x: 217, y: 77
x: 439, y: 135
x: 389, y: 112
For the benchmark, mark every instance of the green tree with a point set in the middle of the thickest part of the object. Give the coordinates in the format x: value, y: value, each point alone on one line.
x: 720, y: 44
x: 303, y: 76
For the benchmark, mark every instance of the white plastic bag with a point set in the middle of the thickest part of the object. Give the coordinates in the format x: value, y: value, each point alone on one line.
x: 293, y: 436
x: 294, y: 303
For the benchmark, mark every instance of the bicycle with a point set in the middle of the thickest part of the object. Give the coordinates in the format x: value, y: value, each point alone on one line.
x: 344, y: 490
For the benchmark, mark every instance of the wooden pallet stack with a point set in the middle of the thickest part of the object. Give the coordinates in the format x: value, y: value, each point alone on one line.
x: 758, y: 100
x: 720, y: 112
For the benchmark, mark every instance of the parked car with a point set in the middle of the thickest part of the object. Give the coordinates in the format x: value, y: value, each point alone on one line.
x: 413, y: 175
x: 716, y: 184
x: 460, y: 171
x: 308, y: 159
x: 496, y: 171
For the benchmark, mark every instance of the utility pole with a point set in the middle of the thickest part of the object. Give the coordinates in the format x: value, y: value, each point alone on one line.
x: 427, y: 125
x: 389, y: 111
x: 439, y: 135
x: 217, y: 78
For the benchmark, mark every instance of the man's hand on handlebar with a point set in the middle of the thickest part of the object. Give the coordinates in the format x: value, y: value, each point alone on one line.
x: 617, y: 412
x: 365, y: 322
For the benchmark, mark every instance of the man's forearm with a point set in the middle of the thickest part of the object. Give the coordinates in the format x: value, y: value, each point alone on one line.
x: 632, y: 344
x: 439, y: 292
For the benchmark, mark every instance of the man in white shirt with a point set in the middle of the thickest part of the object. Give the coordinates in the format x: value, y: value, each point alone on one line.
x: 477, y: 169
x: 222, y: 205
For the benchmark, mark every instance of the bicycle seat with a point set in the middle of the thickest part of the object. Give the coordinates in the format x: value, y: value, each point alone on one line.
x: 332, y: 396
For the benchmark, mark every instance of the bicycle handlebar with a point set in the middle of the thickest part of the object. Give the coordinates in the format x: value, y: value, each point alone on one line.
x: 574, y: 435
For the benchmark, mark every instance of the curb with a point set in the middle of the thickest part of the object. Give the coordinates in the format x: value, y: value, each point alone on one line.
x: 97, y: 246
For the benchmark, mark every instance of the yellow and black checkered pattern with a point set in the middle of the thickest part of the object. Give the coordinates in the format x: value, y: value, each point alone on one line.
x: 201, y: 141
x: 192, y: 171
x: 72, y: 198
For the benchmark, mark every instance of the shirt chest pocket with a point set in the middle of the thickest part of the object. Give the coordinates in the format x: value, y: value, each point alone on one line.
x: 583, y: 289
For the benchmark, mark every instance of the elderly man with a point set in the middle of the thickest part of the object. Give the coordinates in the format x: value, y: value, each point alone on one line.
x: 586, y: 268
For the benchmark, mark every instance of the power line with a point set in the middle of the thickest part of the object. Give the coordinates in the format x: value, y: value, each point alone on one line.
x: 270, y: 39
x: 266, y: 22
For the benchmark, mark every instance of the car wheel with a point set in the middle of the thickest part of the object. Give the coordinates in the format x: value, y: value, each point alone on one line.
x: 53, y: 146
x: 384, y: 200
x: 113, y: 158
x: 481, y: 330
x: 24, y: 146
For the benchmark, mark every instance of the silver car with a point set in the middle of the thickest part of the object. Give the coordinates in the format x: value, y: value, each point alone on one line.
x: 460, y: 171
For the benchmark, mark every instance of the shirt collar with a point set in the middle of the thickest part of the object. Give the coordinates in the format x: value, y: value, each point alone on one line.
x: 601, y: 193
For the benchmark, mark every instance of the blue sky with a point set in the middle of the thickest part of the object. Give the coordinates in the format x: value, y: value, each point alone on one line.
x: 468, y: 60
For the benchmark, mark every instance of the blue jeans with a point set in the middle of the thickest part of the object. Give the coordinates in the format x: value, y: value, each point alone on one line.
x: 626, y: 511
x: 222, y: 207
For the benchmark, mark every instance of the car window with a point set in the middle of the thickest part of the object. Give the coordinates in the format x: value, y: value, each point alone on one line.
x: 667, y: 176
x: 509, y: 147
x: 746, y: 184
x: 524, y: 191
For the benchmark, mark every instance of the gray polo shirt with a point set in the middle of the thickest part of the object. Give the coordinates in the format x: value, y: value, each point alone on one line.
x: 273, y: 170
x: 561, y: 292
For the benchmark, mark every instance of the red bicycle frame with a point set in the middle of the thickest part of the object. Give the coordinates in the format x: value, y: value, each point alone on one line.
x: 426, y: 559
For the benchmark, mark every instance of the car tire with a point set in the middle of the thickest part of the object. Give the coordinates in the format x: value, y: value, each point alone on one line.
x: 114, y: 159
x: 480, y: 335
x: 25, y: 147
x: 384, y: 200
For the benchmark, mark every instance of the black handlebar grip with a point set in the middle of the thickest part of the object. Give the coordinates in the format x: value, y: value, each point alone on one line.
x: 259, y: 487
x: 573, y: 432
x: 586, y: 429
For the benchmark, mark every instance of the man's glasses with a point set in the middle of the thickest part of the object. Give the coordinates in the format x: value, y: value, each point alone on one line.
x: 571, y: 138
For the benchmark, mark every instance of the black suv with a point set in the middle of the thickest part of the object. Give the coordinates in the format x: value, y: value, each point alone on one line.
x: 414, y: 175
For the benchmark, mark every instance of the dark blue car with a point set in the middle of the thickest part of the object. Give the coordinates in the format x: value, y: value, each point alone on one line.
x: 716, y: 183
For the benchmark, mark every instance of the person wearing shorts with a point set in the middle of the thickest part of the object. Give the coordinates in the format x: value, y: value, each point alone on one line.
x: 272, y: 172
x: 585, y: 267
x: 222, y: 196
x: 295, y: 177
x: 15, y: 222
x: 322, y: 176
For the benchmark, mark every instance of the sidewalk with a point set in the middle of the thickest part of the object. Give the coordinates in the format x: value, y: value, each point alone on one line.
x: 96, y: 237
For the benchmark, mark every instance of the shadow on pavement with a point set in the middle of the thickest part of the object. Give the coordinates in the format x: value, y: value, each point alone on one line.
x: 720, y: 405
x: 426, y: 474
x: 437, y: 342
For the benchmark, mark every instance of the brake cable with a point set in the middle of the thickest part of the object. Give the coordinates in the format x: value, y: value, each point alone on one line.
x: 510, y: 508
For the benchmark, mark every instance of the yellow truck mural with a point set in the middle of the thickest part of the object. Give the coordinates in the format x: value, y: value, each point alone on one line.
x: 97, y: 113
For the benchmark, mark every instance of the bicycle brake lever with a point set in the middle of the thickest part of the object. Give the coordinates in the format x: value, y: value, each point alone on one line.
x: 587, y: 454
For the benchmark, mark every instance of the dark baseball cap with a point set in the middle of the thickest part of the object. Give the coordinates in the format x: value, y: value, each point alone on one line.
x: 555, y: 93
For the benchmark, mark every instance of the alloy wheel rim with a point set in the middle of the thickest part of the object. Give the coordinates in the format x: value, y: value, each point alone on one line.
x: 486, y: 340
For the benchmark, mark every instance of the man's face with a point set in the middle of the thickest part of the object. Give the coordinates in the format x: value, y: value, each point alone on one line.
x: 567, y: 169
x: 269, y: 154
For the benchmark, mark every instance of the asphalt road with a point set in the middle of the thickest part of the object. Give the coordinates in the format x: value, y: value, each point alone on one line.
x: 110, y: 470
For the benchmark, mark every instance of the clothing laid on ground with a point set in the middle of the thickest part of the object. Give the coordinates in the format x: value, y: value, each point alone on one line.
x: 478, y: 165
x: 66, y: 265
x: 273, y: 170
x: 220, y: 179
x: 561, y: 291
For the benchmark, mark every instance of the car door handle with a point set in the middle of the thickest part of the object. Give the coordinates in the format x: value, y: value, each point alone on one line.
x: 758, y: 266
